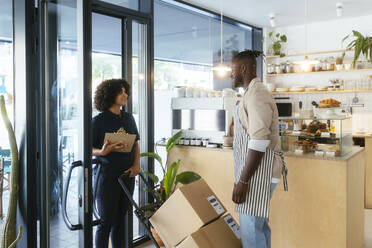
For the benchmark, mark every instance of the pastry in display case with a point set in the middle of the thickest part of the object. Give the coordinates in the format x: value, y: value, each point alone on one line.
x: 325, y: 137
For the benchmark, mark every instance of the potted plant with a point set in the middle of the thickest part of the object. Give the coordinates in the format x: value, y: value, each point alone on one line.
x: 276, y: 43
x: 163, y: 188
x: 361, y: 45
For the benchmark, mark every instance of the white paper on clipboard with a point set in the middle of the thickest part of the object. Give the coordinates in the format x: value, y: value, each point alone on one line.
x: 126, y: 139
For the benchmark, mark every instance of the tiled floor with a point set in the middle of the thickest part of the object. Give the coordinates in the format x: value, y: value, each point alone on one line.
x: 367, y: 232
x: 60, y: 235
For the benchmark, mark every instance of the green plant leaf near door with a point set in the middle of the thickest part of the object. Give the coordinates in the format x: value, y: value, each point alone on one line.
x: 164, y: 188
x: 9, y: 237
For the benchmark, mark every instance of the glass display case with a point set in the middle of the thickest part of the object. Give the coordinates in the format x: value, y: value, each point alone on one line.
x: 324, y: 137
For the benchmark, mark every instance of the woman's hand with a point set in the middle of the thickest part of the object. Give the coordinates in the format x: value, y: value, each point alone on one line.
x: 134, y: 170
x: 107, y: 148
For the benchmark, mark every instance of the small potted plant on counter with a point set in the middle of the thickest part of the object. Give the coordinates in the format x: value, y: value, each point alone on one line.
x: 276, y: 43
x: 361, y: 45
x: 164, y: 188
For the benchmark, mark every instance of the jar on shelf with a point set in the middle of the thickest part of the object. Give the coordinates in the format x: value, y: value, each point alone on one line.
x: 289, y: 67
x: 324, y: 65
x: 278, y: 69
x: 283, y: 67
x: 270, y: 69
x: 296, y: 68
x: 331, y: 64
x: 319, y: 66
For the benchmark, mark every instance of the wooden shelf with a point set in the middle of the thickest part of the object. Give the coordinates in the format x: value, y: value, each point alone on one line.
x: 297, y: 73
x: 310, y: 53
x: 321, y: 92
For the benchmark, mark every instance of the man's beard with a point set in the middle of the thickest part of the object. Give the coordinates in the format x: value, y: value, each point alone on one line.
x: 238, y: 81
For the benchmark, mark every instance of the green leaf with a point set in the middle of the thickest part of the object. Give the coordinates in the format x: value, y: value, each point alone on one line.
x: 187, y: 177
x: 345, y: 38
x: 152, y: 155
x: 155, y: 156
x: 271, y: 33
x: 152, y: 176
x: 358, y: 34
x: 277, y: 35
x: 174, y: 175
x: 169, y: 178
x: 163, y: 196
x: 277, y: 46
x: 282, y: 55
x: 283, y: 38
x: 173, y: 141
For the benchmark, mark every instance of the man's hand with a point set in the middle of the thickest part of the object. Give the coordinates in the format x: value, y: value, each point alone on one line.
x: 134, y: 170
x: 107, y: 147
x: 240, y: 192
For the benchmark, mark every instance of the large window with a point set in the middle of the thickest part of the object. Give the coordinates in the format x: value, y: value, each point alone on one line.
x: 187, y: 46
x: 6, y: 65
x: 6, y: 89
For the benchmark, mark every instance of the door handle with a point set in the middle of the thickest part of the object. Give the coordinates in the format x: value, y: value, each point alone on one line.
x: 72, y: 227
x: 98, y: 163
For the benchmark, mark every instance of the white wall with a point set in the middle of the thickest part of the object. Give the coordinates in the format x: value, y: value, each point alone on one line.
x: 326, y: 35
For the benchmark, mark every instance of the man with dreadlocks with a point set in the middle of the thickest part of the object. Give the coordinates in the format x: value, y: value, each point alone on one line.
x: 257, y: 157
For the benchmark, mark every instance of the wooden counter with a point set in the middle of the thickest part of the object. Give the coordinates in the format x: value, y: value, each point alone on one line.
x: 368, y: 167
x: 368, y: 177
x: 323, y: 208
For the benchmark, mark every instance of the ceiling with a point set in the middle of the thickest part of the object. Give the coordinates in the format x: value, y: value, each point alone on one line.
x: 288, y: 12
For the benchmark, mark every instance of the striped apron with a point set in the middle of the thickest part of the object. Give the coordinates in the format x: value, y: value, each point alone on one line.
x: 258, y: 198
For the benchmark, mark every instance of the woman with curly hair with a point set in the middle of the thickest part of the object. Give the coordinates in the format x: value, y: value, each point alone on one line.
x: 112, y: 204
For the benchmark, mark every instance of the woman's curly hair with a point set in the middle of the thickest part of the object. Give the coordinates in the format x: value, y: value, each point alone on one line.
x: 107, y: 92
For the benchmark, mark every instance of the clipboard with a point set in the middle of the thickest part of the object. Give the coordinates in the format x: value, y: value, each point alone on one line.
x: 127, y: 140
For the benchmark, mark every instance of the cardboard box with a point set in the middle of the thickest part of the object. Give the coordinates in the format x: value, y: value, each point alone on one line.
x: 188, y: 209
x: 221, y: 233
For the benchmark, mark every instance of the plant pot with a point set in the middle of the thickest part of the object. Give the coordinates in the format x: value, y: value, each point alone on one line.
x: 156, y: 237
x: 277, y: 53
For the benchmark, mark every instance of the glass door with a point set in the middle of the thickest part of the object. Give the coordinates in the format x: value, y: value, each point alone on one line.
x: 65, y: 136
x: 140, y: 104
x: 79, y: 49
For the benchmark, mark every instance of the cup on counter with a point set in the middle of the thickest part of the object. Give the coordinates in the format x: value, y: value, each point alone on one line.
x: 228, y: 141
x: 211, y: 94
x: 196, y: 92
x: 198, y: 142
x: 203, y: 93
x: 189, y: 92
x: 180, y: 91
x: 218, y: 94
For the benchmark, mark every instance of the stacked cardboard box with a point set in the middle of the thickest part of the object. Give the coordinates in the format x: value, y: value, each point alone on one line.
x: 192, y: 214
x: 221, y: 233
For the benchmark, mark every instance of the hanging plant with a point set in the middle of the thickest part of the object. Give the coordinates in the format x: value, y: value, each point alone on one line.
x: 276, y: 43
x: 361, y: 45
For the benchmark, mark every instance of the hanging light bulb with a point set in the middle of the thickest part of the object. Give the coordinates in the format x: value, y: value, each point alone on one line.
x: 221, y: 69
x: 306, y: 62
